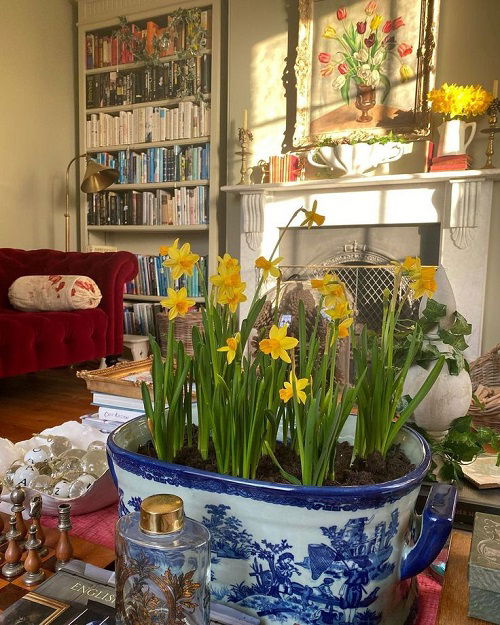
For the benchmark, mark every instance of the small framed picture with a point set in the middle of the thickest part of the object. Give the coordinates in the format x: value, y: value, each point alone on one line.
x: 33, y: 609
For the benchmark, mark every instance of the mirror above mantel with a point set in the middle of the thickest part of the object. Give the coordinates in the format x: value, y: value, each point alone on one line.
x: 459, y: 201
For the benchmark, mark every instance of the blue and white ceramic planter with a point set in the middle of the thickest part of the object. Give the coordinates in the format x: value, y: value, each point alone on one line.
x: 299, y: 554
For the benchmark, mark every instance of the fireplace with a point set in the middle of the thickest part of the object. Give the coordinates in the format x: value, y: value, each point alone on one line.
x: 443, y: 217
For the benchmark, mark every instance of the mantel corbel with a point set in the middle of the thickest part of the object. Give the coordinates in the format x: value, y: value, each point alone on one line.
x: 252, y: 205
x: 463, y: 206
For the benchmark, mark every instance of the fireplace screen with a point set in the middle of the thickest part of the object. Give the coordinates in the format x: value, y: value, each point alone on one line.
x: 365, y: 284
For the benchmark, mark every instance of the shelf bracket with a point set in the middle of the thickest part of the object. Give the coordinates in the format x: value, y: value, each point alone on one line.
x: 253, y: 218
x: 463, y: 211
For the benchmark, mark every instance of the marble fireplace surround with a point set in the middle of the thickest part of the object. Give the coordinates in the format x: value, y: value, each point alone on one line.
x: 461, y: 202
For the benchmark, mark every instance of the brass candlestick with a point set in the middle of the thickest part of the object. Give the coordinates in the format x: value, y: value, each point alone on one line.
x: 491, y: 131
x: 245, y: 136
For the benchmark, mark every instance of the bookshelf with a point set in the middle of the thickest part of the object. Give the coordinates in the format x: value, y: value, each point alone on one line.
x: 159, y: 125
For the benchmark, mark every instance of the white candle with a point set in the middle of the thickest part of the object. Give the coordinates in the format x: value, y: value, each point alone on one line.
x: 245, y: 119
x: 495, y: 88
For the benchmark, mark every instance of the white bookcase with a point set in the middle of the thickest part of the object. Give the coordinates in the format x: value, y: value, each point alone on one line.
x: 102, y: 16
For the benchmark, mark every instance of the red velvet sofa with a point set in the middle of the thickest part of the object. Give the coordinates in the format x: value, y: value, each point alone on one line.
x: 31, y: 341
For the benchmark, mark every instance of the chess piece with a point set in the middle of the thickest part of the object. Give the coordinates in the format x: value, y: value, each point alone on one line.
x: 35, y: 514
x: 13, y: 565
x: 17, y: 497
x: 64, y: 550
x: 33, y: 563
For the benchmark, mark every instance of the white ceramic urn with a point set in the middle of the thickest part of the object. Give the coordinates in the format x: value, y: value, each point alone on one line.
x: 448, y: 399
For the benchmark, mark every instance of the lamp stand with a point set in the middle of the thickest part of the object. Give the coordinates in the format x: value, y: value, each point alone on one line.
x: 66, y: 214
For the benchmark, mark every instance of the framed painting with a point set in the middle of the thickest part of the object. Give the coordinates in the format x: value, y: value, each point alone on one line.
x: 364, y: 65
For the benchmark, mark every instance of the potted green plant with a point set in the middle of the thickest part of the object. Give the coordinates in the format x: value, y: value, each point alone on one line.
x: 314, y: 539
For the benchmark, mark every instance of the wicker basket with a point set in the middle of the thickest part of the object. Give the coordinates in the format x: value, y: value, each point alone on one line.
x: 485, y: 377
x: 183, y: 327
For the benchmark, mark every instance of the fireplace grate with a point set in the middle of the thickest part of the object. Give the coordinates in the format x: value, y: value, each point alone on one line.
x: 365, y: 285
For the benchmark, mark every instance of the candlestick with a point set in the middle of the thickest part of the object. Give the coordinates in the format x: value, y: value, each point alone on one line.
x: 491, y: 130
x: 245, y: 136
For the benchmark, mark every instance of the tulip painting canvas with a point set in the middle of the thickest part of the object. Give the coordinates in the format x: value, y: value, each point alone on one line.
x: 364, y: 65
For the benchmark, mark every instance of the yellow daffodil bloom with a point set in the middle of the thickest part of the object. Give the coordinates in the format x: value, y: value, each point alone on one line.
x: 163, y: 250
x: 227, y: 263
x: 326, y: 284
x: 230, y: 347
x: 181, y: 261
x: 341, y: 310
x: 329, y: 32
x: 335, y: 296
x: 411, y: 266
x: 277, y: 343
x: 268, y: 266
x: 286, y: 393
x: 312, y: 217
x: 232, y: 297
x: 177, y: 302
x: 425, y: 283
x: 344, y: 328
x: 460, y: 100
x: 376, y: 21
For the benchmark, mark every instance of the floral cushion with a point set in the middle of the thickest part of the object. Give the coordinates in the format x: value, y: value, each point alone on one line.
x: 41, y: 293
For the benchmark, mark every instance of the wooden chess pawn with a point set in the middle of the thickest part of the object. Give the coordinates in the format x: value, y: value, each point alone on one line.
x: 13, y: 565
x: 17, y: 498
x: 35, y: 514
x: 64, y: 549
x: 33, y: 563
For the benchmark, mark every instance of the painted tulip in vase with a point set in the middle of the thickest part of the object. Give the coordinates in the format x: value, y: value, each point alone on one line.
x: 307, y: 549
x: 366, y: 45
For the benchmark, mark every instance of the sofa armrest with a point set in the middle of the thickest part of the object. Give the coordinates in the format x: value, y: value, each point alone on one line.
x: 110, y: 270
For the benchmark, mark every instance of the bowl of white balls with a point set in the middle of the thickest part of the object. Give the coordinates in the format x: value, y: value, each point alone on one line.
x: 64, y: 464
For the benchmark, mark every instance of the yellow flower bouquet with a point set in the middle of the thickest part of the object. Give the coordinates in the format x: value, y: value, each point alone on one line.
x: 284, y: 393
x: 460, y: 101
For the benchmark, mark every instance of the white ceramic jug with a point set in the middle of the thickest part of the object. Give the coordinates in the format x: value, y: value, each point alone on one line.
x: 452, y: 137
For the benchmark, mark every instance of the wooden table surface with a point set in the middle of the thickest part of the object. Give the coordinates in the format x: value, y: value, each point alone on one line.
x: 454, y: 601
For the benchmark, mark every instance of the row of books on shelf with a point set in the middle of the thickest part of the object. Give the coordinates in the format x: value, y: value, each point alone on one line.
x: 154, y: 279
x: 169, y: 80
x: 106, y: 49
x: 184, y: 206
x: 188, y: 120
x: 284, y: 168
x: 175, y: 163
x: 141, y: 318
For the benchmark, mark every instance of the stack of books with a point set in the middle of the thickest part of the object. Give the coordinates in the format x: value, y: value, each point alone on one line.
x: 284, y: 168
x: 112, y: 411
x: 452, y: 162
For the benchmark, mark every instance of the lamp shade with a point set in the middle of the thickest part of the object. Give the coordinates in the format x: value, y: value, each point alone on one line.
x: 98, y: 177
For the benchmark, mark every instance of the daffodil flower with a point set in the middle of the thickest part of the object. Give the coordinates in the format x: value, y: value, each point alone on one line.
x: 181, y: 261
x: 425, y: 283
x: 269, y: 267
x: 230, y: 347
x: 411, y: 266
x: 278, y: 343
x: 341, y: 310
x: 344, y: 328
x: 312, y: 217
x: 326, y: 284
x: 228, y: 263
x: 177, y: 302
x: 232, y: 297
x: 286, y: 393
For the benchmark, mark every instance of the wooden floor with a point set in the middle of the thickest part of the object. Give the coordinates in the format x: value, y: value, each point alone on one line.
x: 35, y: 401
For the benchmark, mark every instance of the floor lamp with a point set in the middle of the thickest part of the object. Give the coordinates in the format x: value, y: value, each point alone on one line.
x: 95, y: 179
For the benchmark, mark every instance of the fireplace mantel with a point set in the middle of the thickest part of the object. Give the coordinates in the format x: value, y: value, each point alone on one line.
x: 460, y: 201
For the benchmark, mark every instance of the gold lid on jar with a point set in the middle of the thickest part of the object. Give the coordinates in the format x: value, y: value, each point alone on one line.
x: 162, y: 514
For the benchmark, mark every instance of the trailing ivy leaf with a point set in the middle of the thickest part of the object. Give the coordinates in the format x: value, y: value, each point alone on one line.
x: 462, y: 424
x: 460, y: 325
x: 455, y: 340
x: 434, y: 311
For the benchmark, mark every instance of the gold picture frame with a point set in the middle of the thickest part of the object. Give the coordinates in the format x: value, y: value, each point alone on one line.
x: 21, y: 609
x: 124, y: 379
x: 330, y: 97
